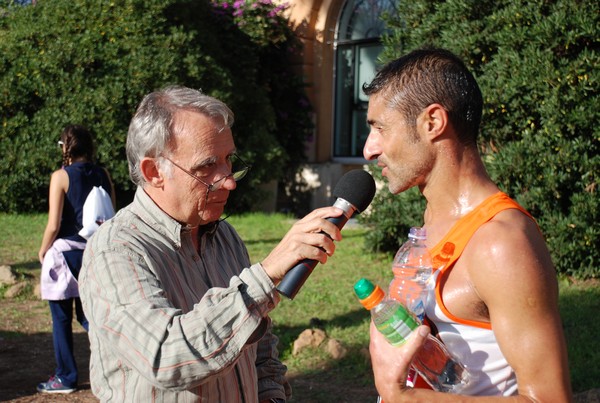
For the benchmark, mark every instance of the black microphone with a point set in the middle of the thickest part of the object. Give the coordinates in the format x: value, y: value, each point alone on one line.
x: 354, y: 192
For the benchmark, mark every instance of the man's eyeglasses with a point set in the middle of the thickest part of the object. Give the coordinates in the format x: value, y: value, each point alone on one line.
x: 238, y: 173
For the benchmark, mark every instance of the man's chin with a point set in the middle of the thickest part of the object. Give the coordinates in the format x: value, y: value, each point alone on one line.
x: 396, y: 188
x: 212, y: 215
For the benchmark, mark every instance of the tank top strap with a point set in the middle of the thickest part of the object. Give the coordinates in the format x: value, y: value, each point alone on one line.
x: 463, y: 230
x: 459, y: 235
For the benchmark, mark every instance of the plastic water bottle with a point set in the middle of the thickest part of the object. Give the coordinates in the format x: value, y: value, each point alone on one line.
x: 412, y: 267
x: 389, y: 316
x: 433, y: 361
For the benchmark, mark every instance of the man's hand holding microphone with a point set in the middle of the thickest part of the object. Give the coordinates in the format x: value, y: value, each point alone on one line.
x: 311, y: 239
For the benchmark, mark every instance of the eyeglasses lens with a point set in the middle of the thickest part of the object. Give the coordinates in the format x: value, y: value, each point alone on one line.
x: 239, y: 170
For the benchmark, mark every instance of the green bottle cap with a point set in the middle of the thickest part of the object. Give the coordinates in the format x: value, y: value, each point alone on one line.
x: 363, y: 288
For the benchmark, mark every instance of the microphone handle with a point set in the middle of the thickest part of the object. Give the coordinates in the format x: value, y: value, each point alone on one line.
x: 294, y: 279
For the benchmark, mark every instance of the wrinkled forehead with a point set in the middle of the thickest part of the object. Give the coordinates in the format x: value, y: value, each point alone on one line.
x: 190, y: 119
x: 194, y: 131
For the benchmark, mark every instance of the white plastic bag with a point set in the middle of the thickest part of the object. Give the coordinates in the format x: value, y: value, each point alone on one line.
x: 96, y: 209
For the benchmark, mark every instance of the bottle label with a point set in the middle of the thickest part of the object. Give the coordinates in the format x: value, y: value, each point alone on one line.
x: 419, y: 310
x: 398, y: 327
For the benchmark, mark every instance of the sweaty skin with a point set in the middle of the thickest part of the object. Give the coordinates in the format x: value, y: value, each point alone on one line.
x: 504, y: 276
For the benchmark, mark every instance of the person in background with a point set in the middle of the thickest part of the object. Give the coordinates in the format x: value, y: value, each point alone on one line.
x: 176, y: 310
x: 495, y: 304
x: 69, y: 188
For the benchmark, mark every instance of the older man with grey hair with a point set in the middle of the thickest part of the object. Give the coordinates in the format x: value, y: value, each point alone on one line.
x: 176, y: 310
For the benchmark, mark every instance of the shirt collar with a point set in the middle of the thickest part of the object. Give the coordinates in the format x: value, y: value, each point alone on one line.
x: 155, y: 217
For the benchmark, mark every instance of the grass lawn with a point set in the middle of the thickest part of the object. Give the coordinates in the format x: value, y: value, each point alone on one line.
x: 327, y: 299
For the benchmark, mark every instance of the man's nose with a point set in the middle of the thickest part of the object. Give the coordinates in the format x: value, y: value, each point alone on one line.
x: 229, y: 183
x: 371, y: 150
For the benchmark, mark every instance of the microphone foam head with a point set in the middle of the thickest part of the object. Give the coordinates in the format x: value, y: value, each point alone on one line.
x: 357, y: 187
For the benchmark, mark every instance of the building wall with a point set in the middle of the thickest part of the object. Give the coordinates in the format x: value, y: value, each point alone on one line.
x: 314, y: 22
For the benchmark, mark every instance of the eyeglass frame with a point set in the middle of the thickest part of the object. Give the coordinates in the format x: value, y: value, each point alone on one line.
x: 237, y: 175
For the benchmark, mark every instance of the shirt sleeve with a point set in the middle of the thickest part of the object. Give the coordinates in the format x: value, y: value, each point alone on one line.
x: 130, y: 312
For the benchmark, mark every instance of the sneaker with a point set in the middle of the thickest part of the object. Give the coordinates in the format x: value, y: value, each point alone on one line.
x: 54, y: 385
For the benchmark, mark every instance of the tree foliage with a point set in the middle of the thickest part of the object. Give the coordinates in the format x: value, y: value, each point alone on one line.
x: 537, y: 64
x: 91, y: 62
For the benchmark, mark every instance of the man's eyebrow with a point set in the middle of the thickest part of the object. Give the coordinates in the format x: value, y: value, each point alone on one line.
x: 204, y: 162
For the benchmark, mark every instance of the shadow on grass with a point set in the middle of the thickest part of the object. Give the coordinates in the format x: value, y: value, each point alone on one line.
x: 287, y: 334
x: 27, y: 271
x: 348, y: 379
x: 579, y: 307
x: 28, y: 359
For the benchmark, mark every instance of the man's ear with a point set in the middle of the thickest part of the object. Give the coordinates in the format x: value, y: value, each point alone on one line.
x: 434, y: 121
x: 151, y: 172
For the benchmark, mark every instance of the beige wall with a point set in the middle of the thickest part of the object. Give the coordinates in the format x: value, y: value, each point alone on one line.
x: 315, y: 21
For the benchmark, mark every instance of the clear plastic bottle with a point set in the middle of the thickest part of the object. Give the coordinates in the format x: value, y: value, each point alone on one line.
x: 412, y: 267
x: 389, y: 316
x: 433, y: 361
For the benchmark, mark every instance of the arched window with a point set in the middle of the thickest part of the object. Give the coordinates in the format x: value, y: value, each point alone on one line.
x: 357, y: 46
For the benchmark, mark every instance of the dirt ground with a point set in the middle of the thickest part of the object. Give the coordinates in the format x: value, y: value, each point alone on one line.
x: 27, y: 358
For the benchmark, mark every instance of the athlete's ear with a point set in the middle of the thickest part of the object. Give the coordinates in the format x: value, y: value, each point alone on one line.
x: 434, y: 121
x: 151, y: 171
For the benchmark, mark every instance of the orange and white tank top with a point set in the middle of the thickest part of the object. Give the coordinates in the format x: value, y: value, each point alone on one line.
x: 472, y: 343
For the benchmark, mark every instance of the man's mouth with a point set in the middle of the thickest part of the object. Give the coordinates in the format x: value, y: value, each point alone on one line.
x: 383, y: 167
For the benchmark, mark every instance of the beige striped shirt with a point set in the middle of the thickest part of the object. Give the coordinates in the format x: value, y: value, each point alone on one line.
x: 169, y: 324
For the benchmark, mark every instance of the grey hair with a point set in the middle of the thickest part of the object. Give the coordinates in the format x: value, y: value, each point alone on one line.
x: 151, y: 127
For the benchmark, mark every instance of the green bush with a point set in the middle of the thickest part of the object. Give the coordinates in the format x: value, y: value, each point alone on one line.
x: 391, y: 216
x: 91, y: 62
x: 537, y: 65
